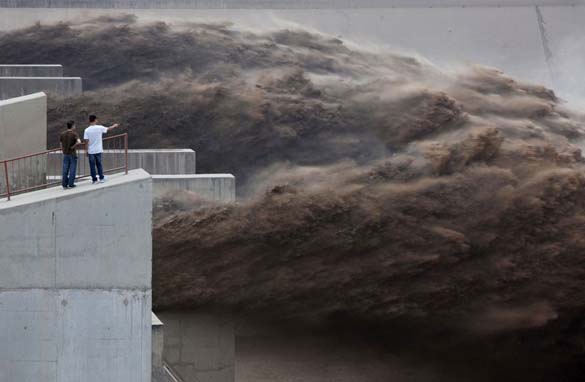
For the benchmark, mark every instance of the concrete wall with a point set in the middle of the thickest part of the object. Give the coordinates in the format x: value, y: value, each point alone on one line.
x: 172, y: 161
x: 23, y: 130
x: 217, y: 187
x: 23, y: 125
x: 199, y: 347
x: 58, y: 86
x: 31, y: 71
x: 77, y: 307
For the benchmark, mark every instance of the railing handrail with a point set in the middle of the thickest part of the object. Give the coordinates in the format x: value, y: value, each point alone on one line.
x: 56, y: 150
x: 10, y: 190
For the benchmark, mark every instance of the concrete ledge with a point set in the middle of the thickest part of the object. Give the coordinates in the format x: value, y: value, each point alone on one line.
x: 58, y: 86
x: 217, y: 187
x: 159, y: 162
x: 31, y: 71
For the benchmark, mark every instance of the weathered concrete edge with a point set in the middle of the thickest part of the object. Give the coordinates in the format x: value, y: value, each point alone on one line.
x: 56, y: 193
x: 194, y: 176
x: 40, y: 78
x: 28, y: 97
x: 32, y: 65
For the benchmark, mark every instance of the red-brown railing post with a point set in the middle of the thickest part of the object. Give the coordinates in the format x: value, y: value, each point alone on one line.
x: 126, y: 151
x: 7, y: 182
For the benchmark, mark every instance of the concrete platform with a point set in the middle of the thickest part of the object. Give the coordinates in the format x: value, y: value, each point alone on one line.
x: 216, y: 187
x: 31, y: 71
x: 75, y: 283
x: 57, y: 86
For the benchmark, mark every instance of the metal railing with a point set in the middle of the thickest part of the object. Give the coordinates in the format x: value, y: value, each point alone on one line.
x: 29, y: 172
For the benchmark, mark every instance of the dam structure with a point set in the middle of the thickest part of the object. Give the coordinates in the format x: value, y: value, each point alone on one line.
x: 75, y: 306
x: 76, y: 265
x: 71, y: 311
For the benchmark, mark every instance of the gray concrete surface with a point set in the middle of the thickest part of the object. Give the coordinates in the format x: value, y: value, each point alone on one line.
x: 115, y: 221
x: 77, y: 307
x: 199, y: 347
x: 488, y: 32
x: 31, y: 71
x: 23, y: 130
x: 158, y: 342
x: 217, y: 187
x: 162, y: 161
x: 72, y: 335
x: 23, y: 125
x: 57, y: 86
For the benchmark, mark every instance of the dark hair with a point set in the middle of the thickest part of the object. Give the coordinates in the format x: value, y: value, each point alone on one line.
x: 92, y: 118
x: 70, y: 124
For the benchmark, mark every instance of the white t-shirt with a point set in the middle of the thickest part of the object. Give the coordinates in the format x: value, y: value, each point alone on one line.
x: 94, y: 135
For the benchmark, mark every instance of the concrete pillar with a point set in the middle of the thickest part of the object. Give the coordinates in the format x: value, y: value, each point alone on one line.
x: 158, y: 342
x: 199, y: 347
x: 23, y: 125
x: 75, y: 283
x: 23, y: 130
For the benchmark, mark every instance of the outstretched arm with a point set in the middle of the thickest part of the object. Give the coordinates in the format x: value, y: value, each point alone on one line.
x: 112, y: 127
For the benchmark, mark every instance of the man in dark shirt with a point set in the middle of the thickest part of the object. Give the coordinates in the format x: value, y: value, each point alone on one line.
x: 69, y: 141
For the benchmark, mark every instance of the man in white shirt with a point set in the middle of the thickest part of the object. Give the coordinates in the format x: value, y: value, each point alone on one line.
x: 93, y: 136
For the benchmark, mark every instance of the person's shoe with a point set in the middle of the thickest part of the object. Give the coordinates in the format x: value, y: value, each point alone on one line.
x: 73, y: 186
x: 65, y: 187
x: 102, y: 180
x: 94, y: 182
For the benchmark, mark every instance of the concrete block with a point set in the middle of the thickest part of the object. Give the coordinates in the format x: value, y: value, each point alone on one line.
x: 159, y: 162
x: 158, y: 342
x: 217, y: 187
x: 23, y: 125
x: 199, y: 347
x: 23, y: 130
x: 77, y: 307
x: 89, y: 237
x: 31, y: 71
x: 57, y: 86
